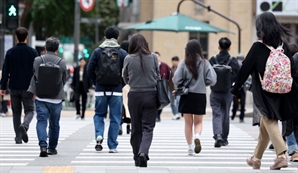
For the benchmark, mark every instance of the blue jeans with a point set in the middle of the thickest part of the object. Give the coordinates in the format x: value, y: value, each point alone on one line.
x: 292, y: 144
x: 101, y: 108
x: 48, y: 111
x: 174, y: 103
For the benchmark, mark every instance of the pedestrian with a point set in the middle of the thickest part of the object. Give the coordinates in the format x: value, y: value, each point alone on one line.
x: 240, y: 98
x: 141, y: 74
x: 220, y: 97
x: 80, y: 86
x: 48, y: 102
x: 165, y: 73
x: 268, y: 104
x: 172, y: 87
x: 125, y: 90
x: 17, y: 70
x: 104, y: 69
x: 194, y: 67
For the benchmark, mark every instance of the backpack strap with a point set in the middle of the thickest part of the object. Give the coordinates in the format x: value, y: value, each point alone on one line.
x: 58, y: 60
x: 215, y: 58
x: 43, y: 59
x: 230, y: 59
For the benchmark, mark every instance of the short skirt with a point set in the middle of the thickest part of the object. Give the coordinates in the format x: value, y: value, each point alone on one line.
x: 193, y: 103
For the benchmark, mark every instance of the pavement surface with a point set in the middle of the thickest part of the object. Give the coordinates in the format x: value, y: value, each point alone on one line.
x: 168, y: 152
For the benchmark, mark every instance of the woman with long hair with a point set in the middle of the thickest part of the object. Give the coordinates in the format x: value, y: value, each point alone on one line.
x: 269, y: 105
x: 140, y: 72
x: 80, y: 86
x: 193, y: 105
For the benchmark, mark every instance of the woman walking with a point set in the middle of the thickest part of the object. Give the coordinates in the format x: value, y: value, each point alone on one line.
x: 269, y: 105
x: 80, y: 86
x: 193, y: 105
x: 140, y: 72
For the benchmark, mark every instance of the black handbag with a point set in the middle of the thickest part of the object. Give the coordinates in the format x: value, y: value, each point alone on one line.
x: 162, y: 93
x: 72, y: 97
x: 182, y: 89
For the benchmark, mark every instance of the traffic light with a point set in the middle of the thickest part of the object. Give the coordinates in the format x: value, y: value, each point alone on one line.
x: 12, y: 14
x: 86, y: 53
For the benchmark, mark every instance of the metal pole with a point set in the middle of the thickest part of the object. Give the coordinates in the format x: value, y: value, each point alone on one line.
x: 77, y: 18
x: 225, y: 17
x: 1, y: 35
x: 96, y: 24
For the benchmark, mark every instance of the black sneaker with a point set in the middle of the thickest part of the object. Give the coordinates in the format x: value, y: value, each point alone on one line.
x: 18, y: 140
x: 52, y: 151
x: 23, y: 131
x: 143, y: 160
x: 98, y: 146
x: 271, y: 147
x: 225, y: 143
x: 43, y: 152
x: 218, y: 141
x: 120, y: 131
x: 137, y: 163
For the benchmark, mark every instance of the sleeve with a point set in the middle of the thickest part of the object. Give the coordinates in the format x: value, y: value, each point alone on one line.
x: 235, y: 68
x: 178, y: 76
x: 5, y: 72
x: 156, y: 66
x: 92, y: 65
x: 73, y: 82
x: 64, y: 75
x: 125, y: 71
x: 210, y: 75
x: 246, y: 69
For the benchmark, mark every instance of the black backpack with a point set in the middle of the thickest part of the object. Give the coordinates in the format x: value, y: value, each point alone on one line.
x: 109, y: 71
x: 224, y: 76
x: 49, y: 82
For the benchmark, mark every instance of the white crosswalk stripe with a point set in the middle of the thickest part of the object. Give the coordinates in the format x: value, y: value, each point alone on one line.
x: 169, y: 149
x: 12, y: 154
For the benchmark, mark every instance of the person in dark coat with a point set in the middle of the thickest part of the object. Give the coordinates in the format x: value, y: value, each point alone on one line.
x: 80, y: 86
x: 270, y: 106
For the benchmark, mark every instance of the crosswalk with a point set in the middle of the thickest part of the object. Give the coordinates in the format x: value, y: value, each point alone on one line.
x: 12, y: 154
x: 169, y: 149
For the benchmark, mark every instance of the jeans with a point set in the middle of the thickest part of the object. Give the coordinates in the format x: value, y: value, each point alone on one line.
x: 48, y: 111
x: 174, y: 103
x: 101, y: 107
x: 292, y: 144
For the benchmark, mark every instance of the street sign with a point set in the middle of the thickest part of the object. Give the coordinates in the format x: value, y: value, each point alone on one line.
x: 122, y: 3
x: 87, y: 5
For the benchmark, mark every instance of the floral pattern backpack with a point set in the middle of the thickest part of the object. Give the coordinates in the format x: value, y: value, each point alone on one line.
x: 277, y: 76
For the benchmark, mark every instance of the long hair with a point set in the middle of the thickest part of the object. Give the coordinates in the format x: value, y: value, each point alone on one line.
x: 192, y: 51
x: 269, y: 30
x: 138, y: 45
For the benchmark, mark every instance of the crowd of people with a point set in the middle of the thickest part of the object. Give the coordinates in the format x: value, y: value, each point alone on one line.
x: 125, y: 78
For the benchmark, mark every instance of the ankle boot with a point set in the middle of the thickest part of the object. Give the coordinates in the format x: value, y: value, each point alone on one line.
x: 127, y: 129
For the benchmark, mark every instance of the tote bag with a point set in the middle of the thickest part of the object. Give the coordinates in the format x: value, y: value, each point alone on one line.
x: 162, y: 93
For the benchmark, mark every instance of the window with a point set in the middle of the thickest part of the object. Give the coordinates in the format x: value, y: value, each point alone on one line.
x: 203, y: 39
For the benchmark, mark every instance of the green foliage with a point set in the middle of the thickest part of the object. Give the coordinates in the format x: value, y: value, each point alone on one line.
x: 56, y: 17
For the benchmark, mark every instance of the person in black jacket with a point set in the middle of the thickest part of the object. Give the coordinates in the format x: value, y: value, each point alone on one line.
x: 18, y: 70
x: 80, y: 86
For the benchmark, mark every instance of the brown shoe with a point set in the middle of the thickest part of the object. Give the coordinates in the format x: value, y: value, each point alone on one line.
x: 254, y: 164
x: 280, y: 162
x: 294, y: 157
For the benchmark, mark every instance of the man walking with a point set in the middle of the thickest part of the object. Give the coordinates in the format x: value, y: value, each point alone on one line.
x: 17, y: 69
x: 105, y: 69
x: 226, y: 68
x: 172, y: 87
x: 49, y: 95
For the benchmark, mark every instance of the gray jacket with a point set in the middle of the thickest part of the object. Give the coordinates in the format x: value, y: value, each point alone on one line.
x: 207, y: 76
x: 50, y: 57
x: 135, y: 77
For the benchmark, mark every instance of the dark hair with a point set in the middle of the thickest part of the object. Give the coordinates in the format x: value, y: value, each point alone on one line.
x: 124, y: 45
x: 224, y: 43
x: 83, y: 59
x: 157, y: 53
x: 192, y: 51
x: 21, y: 34
x: 175, y: 58
x: 111, y: 32
x: 293, y: 48
x: 269, y: 30
x: 138, y: 45
x: 52, y: 44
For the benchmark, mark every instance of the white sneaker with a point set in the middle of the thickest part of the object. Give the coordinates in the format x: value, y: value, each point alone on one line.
x: 98, y: 146
x: 176, y: 117
x: 113, y: 151
x: 78, y: 116
x: 3, y: 114
x: 191, y: 152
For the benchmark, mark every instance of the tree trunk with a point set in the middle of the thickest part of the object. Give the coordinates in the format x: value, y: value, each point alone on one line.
x: 26, y: 12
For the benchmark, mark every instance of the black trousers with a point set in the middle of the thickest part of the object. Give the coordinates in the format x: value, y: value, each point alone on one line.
x: 84, y: 100
x: 242, y: 96
x: 143, y: 109
x: 19, y: 99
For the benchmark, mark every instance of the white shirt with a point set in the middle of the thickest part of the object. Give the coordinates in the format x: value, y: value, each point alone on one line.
x: 54, y: 101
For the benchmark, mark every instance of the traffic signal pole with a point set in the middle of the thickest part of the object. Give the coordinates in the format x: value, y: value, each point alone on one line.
x: 77, y: 22
x: 1, y: 35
